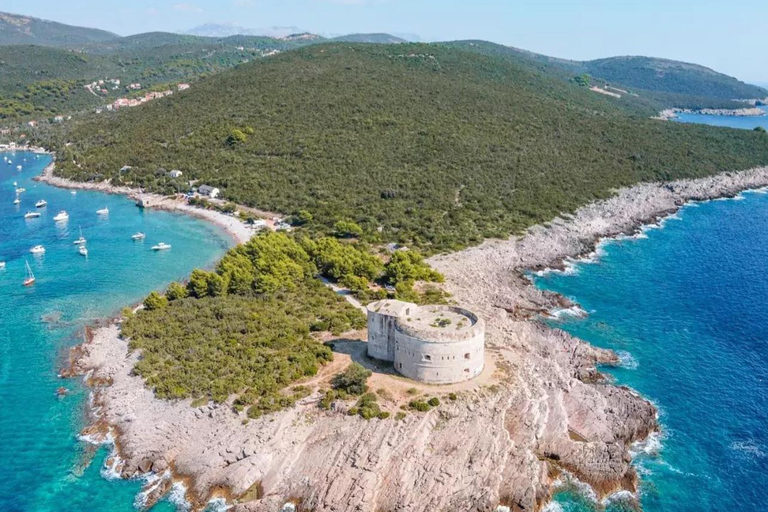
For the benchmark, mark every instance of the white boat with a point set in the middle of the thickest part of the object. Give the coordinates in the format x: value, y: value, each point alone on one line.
x: 18, y: 167
x: 2, y: 265
x: 20, y: 190
x: 74, y: 192
x: 82, y: 250
x: 81, y: 240
x: 30, y: 276
x: 61, y: 216
x: 41, y: 203
x: 15, y: 184
x: 103, y: 211
x: 38, y: 249
x: 16, y: 201
x: 31, y: 215
x: 139, y: 236
x: 162, y: 246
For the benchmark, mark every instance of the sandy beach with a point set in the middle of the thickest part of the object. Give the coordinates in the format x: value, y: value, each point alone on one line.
x: 232, y: 225
x: 544, y: 411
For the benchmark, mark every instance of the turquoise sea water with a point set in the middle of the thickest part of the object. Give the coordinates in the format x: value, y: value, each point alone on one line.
x: 747, y: 123
x: 687, y: 308
x: 43, y: 467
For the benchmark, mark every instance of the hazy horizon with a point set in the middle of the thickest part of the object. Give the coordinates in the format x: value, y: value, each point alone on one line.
x: 707, y: 32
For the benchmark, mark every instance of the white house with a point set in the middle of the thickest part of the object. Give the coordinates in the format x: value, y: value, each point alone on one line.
x: 209, y: 191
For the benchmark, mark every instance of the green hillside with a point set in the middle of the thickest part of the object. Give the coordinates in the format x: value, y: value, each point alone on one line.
x: 670, y: 76
x: 660, y: 83
x: 17, y: 29
x: 422, y: 144
x: 41, y: 81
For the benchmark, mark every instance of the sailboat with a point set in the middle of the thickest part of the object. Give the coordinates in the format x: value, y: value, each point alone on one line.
x: 103, y: 211
x: 83, y: 250
x: 81, y: 240
x: 30, y: 280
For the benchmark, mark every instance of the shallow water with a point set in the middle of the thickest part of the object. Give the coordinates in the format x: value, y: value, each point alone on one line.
x: 43, y: 466
x: 687, y: 308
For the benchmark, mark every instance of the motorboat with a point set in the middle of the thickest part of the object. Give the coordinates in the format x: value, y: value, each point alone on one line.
x: 103, y: 211
x: 2, y: 265
x: 74, y: 192
x: 38, y: 249
x: 16, y: 201
x: 31, y: 215
x: 162, y: 246
x: 139, y: 236
x: 20, y: 190
x: 61, y: 216
x: 30, y: 279
x: 18, y: 167
x: 41, y: 203
x: 82, y: 250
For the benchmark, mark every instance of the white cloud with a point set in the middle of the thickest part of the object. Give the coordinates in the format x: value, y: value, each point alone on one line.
x: 187, y: 8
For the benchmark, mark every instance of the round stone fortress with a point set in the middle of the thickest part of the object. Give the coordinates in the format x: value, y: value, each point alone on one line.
x: 433, y: 344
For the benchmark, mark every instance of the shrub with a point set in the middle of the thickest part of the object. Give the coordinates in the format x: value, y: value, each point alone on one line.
x: 176, y: 291
x: 383, y: 415
x: 453, y: 396
x: 347, y: 229
x: 412, y: 391
x: 419, y: 405
x: 434, y: 401
x: 400, y: 416
x: 155, y: 301
x: 352, y: 380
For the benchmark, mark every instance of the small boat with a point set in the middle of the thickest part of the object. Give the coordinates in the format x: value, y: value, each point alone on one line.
x: 31, y: 215
x: 15, y: 184
x: 139, y: 236
x: 82, y: 250
x: 16, y: 201
x: 30, y: 280
x: 2, y: 265
x: 18, y: 167
x: 41, y: 203
x: 81, y: 240
x: 61, y: 216
x: 103, y: 211
x: 61, y: 392
x: 74, y: 192
x: 161, y: 246
x: 38, y: 249
x: 20, y: 190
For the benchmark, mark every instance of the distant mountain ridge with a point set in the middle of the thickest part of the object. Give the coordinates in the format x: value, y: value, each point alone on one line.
x: 230, y: 29
x: 370, y: 38
x: 16, y: 29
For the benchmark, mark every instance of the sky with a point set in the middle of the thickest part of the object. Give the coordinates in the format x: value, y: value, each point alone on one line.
x: 730, y: 37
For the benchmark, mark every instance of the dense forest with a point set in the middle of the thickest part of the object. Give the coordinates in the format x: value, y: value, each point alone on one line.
x: 244, y: 329
x: 426, y: 145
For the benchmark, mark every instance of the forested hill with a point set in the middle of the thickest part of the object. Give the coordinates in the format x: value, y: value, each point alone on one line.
x: 670, y: 82
x: 423, y: 144
x: 672, y: 76
x: 17, y: 29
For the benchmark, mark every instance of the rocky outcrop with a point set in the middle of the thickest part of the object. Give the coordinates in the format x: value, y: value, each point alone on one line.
x: 548, y: 409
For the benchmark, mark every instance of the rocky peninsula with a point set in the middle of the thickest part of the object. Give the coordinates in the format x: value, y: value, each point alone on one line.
x: 540, y: 409
x: 671, y: 113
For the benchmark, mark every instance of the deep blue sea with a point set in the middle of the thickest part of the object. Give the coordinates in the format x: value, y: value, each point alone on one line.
x: 686, y: 306
x: 43, y: 466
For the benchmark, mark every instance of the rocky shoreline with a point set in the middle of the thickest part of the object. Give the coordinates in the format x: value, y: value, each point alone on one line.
x: 548, y: 411
x: 672, y: 113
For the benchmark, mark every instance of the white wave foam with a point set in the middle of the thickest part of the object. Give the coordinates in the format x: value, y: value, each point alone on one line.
x: 626, y: 360
x: 749, y: 449
x: 152, y: 482
x: 573, y: 311
x: 552, y: 506
x: 217, y: 505
x: 110, y: 470
x: 651, y: 446
x: 618, y: 497
x: 178, y: 497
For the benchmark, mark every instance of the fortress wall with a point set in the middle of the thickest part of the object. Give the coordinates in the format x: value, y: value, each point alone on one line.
x: 441, y: 362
